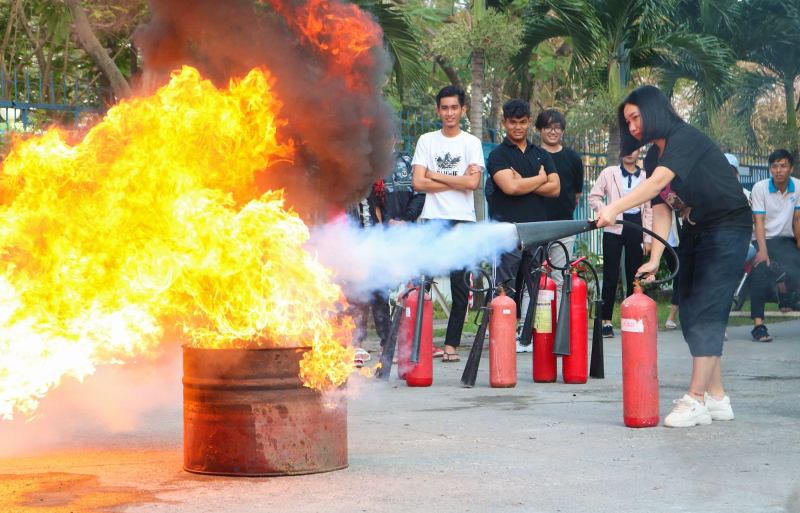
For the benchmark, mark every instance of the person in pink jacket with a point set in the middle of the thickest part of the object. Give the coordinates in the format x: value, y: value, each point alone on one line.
x: 613, y: 183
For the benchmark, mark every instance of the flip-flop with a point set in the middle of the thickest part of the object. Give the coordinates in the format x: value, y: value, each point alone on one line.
x: 451, y: 357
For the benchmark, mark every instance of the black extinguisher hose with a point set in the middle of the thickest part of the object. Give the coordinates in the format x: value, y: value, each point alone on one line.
x: 666, y: 246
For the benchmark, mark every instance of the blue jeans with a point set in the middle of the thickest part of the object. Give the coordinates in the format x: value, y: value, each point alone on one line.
x: 711, y: 265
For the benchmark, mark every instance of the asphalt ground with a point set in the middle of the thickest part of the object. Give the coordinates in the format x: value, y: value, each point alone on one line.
x: 533, y: 448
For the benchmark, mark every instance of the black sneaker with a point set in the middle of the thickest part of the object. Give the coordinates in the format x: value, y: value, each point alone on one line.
x: 608, y: 331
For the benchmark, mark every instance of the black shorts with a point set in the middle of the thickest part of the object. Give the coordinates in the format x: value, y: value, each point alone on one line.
x: 711, y: 265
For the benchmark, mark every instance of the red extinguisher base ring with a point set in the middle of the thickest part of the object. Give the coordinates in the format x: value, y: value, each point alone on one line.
x: 638, y: 423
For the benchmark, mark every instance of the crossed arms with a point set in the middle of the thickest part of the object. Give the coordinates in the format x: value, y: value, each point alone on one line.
x: 425, y: 180
x: 512, y: 183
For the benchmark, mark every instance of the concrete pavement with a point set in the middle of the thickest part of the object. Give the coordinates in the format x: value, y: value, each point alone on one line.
x: 533, y: 448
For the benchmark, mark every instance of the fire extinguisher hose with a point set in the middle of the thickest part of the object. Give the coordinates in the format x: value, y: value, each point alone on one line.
x: 666, y: 246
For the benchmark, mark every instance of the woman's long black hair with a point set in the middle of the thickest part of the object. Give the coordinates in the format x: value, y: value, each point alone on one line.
x: 658, y: 116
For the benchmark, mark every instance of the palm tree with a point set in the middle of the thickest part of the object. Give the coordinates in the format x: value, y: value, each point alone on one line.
x: 401, y: 42
x: 611, y: 38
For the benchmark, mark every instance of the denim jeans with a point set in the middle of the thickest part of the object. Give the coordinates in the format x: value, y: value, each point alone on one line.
x: 711, y: 265
x: 783, y: 255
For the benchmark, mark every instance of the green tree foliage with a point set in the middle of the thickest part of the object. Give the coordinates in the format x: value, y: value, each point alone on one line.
x: 613, y: 38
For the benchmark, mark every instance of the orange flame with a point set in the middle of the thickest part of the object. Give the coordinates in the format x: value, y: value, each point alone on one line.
x: 152, y: 223
x: 341, y: 31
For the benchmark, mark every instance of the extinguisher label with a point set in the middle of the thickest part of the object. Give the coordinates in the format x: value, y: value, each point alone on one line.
x: 506, y: 312
x: 546, y: 295
x: 633, y: 325
x: 544, y: 322
x: 408, y: 312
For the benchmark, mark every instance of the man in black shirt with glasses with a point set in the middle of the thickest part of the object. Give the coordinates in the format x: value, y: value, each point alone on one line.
x: 521, y: 176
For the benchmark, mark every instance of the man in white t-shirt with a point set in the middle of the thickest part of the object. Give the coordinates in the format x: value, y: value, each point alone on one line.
x: 776, y: 213
x: 447, y: 166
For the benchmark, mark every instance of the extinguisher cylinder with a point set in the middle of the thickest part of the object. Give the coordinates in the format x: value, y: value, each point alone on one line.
x: 639, y: 360
x: 420, y: 374
x: 502, y: 342
x: 575, y: 366
x: 545, y: 363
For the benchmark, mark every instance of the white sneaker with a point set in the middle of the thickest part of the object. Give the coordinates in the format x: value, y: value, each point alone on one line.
x: 719, y: 410
x: 688, y: 412
x: 524, y: 349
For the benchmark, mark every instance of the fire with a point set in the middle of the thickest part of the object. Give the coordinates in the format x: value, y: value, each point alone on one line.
x: 341, y: 31
x: 151, y: 229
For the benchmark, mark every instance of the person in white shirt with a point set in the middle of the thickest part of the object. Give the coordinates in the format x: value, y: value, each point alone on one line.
x: 776, y: 213
x: 447, y: 166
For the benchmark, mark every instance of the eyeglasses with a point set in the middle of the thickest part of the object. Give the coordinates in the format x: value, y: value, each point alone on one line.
x: 553, y: 129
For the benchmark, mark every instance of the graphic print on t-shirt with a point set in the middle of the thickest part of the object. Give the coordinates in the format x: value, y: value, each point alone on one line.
x: 447, y: 164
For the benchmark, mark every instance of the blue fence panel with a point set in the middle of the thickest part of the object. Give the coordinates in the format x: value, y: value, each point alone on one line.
x: 23, y: 92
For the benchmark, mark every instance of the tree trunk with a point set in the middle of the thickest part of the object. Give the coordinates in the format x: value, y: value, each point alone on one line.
x: 496, y: 111
x: 476, y: 119
x: 791, y: 116
x: 613, y: 144
x: 12, y: 21
x: 99, y: 55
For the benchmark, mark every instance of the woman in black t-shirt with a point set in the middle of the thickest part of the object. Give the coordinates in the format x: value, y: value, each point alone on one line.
x: 687, y: 172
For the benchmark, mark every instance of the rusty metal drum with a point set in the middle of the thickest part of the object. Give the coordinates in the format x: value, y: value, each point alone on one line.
x: 246, y: 413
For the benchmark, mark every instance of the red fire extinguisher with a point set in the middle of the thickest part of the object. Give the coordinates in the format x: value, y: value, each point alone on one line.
x: 502, y: 342
x: 575, y: 366
x: 544, y: 361
x: 404, y: 334
x: 639, y: 360
x: 420, y: 374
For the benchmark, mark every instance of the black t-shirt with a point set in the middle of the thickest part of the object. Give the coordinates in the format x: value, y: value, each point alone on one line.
x: 525, y: 208
x: 703, y: 181
x: 570, y: 170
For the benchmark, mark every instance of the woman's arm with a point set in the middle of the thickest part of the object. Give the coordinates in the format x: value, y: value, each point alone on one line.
x: 662, y: 224
x: 645, y: 191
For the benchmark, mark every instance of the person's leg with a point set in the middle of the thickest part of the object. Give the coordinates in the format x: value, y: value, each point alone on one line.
x: 715, y: 388
x: 634, y: 255
x: 712, y: 260
x: 458, y: 311
x: 381, y: 315
x: 673, y: 309
x: 760, y: 288
x: 612, y: 252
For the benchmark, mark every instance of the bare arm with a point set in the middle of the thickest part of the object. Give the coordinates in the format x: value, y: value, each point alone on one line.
x: 796, y: 226
x: 513, y: 184
x: 662, y: 224
x: 645, y: 191
x: 761, y: 238
x: 552, y: 188
x: 467, y: 182
x: 423, y: 184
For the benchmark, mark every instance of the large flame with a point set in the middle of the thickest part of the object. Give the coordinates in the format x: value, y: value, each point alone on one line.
x: 342, y: 32
x: 151, y: 228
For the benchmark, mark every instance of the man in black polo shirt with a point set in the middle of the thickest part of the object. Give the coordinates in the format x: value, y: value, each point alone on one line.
x: 551, y: 124
x: 521, y: 175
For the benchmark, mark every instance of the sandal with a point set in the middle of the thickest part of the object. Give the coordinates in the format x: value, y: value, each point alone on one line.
x: 438, y: 352
x: 450, y: 357
x: 670, y: 325
x: 760, y: 334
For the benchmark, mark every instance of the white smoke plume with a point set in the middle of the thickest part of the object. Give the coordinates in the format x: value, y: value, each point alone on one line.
x: 380, y: 259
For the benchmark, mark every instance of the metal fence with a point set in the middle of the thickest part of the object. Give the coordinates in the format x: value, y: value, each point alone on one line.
x: 414, y: 123
x: 24, y: 92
